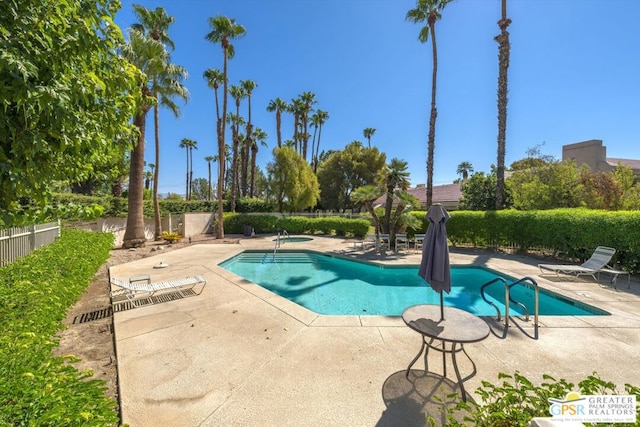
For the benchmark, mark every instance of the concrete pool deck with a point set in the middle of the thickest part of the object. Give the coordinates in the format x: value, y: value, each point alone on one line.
x: 239, y: 355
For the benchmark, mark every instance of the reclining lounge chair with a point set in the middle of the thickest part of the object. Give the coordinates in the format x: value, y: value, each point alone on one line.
x: 592, y: 267
x: 138, y: 288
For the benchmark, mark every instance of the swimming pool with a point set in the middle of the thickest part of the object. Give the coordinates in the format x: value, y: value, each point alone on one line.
x: 335, y: 286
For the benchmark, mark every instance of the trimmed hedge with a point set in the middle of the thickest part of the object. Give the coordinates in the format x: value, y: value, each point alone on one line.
x: 35, y: 293
x: 235, y: 223
x: 570, y: 233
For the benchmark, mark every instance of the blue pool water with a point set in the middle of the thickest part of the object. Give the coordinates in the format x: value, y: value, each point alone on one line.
x: 337, y: 286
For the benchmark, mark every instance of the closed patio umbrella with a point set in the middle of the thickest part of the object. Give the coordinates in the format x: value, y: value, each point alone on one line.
x: 434, y: 266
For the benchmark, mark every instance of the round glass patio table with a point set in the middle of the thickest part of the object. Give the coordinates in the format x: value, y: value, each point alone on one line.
x: 446, y: 336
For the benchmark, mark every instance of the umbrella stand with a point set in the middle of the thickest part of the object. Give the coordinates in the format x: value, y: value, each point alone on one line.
x: 441, y: 306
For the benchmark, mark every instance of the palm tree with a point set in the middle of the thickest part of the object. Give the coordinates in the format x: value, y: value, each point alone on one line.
x: 150, y: 57
x: 258, y: 136
x: 223, y: 30
x: 503, y: 67
x: 189, y: 145
x: 214, y: 78
x: 297, y: 108
x: 308, y: 100
x: 366, y: 196
x: 429, y: 11
x: 185, y: 144
x: 165, y: 86
x: 464, y: 169
x: 394, y: 179
x: 209, y: 159
x: 193, y: 145
x: 318, y: 119
x: 368, y: 133
x: 278, y: 105
x: 148, y: 178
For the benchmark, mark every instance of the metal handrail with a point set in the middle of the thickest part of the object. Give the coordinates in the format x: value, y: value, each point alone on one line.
x: 528, y: 281
x: 506, y: 298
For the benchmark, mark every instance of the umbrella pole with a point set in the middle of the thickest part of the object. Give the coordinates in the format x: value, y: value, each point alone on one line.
x: 441, y: 305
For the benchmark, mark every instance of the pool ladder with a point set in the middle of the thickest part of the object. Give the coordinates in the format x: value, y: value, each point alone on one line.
x: 525, y: 281
x: 279, y: 240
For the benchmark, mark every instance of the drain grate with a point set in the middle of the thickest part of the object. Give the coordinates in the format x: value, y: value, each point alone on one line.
x: 93, y: 315
x: 156, y: 299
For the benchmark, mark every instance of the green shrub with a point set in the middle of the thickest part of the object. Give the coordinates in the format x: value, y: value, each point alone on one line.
x: 517, y: 400
x: 35, y: 293
x: 235, y: 223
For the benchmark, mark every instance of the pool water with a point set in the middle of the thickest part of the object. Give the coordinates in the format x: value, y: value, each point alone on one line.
x: 336, y: 286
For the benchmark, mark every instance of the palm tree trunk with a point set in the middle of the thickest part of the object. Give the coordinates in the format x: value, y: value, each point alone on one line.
x: 220, y: 222
x: 254, y: 154
x: 503, y: 58
x: 278, y: 127
x: 156, y: 174
x: 433, y: 115
x: 209, y: 192
x: 134, y: 236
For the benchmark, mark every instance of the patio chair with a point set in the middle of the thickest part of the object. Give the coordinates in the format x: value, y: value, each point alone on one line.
x: 418, y: 240
x: 140, y: 288
x: 592, y: 267
x: 402, y: 242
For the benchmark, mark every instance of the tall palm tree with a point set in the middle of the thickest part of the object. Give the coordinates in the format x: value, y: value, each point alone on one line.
x: 278, y: 105
x: 429, y: 11
x: 193, y: 145
x: 297, y: 108
x: 165, y: 86
x: 248, y: 86
x: 464, y: 169
x: 503, y: 67
x: 150, y: 57
x: 237, y: 93
x: 308, y: 100
x: 368, y: 133
x: 214, y: 78
x: 184, y: 143
x: 209, y: 159
x: 318, y: 119
x: 223, y: 31
x: 258, y: 136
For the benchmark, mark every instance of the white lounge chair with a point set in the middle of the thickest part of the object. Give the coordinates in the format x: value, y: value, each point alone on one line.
x: 592, y: 267
x: 418, y: 240
x: 138, y: 288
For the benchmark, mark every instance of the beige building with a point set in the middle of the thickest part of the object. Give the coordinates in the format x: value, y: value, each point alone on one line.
x: 594, y: 154
x: 447, y: 195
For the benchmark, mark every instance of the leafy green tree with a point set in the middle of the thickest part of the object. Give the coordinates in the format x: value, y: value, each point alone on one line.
x: 292, y: 183
x: 165, y: 86
x: 551, y: 185
x: 67, y: 96
x: 199, y: 189
x: 479, y: 192
x: 223, y: 30
x: 429, y: 11
x: 345, y: 170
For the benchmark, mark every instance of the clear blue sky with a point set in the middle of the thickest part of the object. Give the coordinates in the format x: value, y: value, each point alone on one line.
x: 574, y: 76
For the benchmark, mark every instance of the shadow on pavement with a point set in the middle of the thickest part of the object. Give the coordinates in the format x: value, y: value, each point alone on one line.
x: 411, y: 400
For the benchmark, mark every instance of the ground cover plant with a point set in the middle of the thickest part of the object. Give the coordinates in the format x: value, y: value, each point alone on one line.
x: 517, y: 400
x: 35, y: 293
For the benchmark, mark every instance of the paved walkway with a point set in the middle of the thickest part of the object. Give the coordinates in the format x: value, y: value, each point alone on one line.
x: 238, y: 355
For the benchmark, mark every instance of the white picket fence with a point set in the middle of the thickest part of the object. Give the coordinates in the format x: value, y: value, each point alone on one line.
x: 17, y: 242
